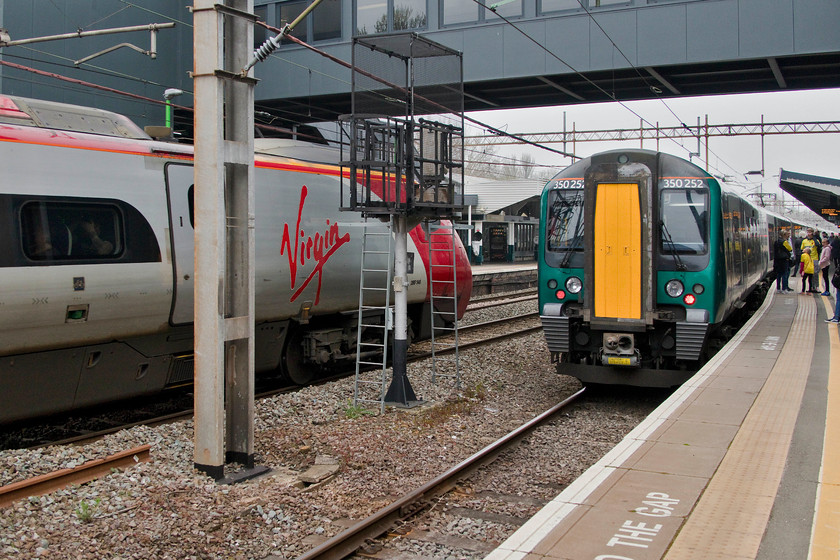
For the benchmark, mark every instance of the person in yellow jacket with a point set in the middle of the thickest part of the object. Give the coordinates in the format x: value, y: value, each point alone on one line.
x: 807, y: 269
x: 814, y: 244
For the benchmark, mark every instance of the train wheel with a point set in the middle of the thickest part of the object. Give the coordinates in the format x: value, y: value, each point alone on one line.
x: 294, y: 363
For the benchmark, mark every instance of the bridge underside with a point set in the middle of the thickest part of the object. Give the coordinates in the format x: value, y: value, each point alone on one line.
x: 816, y: 71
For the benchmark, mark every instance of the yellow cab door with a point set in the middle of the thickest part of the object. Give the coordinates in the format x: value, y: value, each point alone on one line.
x: 618, y: 255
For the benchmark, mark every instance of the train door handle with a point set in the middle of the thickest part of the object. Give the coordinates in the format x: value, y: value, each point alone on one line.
x: 627, y: 251
x: 93, y: 358
x: 609, y: 249
x: 142, y: 370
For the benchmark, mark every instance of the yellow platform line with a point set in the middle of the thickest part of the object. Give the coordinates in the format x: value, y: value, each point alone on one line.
x: 729, y: 520
x: 825, y: 534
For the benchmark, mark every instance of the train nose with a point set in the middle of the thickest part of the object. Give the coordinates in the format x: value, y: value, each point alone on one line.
x: 443, y: 270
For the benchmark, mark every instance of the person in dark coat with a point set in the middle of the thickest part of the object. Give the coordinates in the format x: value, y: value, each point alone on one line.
x: 834, y: 243
x: 781, y: 261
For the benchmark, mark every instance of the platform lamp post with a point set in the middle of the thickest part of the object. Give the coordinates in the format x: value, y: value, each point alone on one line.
x: 168, y: 95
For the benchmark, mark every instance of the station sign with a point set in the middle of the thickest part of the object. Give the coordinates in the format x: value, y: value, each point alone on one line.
x: 831, y: 214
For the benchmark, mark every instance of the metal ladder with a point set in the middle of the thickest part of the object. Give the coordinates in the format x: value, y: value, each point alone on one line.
x: 443, y: 276
x: 374, y: 284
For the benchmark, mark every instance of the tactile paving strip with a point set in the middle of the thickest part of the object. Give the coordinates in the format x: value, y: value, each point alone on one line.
x: 731, y: 515
x: 825, y: 542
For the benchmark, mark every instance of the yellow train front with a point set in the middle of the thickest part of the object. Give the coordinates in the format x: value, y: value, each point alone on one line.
x: 644, y: 262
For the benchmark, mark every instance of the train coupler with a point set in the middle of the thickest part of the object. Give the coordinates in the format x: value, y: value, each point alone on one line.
x: 619, y: 349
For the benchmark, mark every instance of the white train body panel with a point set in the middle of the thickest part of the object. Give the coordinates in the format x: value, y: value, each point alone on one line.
x: 90, y: 321
x: 138, y: 298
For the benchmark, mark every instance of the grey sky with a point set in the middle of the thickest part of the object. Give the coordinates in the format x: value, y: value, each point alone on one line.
x: 815, y: 154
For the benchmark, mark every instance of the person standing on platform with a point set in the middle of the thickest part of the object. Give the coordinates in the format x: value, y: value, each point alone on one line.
x: 825, y: 262
x: 834, y: 242
x: 810, y: 242
x: 835, y: 281
x: 807, y: 270
x: 781, y: 262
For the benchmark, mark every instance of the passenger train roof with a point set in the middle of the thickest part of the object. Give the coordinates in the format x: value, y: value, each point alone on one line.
x: 48, y: 115
x: 63, y: 116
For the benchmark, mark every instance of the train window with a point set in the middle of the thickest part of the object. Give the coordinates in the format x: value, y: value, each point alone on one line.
x: 564, y: 228
x: 684, y: 223
x: 66, y: 232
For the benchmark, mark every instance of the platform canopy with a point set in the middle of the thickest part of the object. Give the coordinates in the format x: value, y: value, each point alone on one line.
x: 820, y: 194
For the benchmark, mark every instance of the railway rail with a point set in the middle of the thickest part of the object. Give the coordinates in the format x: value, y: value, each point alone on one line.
x: 503, y: 299
x: 43, y: 484
x: 381, y: 521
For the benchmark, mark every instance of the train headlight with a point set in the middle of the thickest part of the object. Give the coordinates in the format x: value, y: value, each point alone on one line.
x: 698, y: 289
x: 552, y: 284
x: 574, y: 285
x: 674, y: 288
x: 560, y: 294
x: 689, y: 299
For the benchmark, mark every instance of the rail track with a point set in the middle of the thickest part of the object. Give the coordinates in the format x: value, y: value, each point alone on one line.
x: 471, y: 336
x: 503, y: 299
x: 43, y: 484
x: 397, y: 513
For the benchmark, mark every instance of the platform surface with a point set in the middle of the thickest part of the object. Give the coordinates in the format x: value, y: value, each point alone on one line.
x: 732, y: 466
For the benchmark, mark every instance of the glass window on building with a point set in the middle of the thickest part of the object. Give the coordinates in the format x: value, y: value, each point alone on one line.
x: 382, y: 16
x: 459, y: 11
x: 409, y: 14
x: 547, y: 6
x: 371, y: 16
x: 506, y: 9
x: 289, y: 11
x: 260, y: 32
x: 326, y: 20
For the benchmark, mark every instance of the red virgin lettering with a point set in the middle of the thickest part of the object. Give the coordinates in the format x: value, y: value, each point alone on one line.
x: 320, y: 248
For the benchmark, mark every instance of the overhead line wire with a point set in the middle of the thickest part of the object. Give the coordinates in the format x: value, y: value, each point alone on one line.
x: 93, y: 69
x: 644, y: 79
x: 609, y: 95
x: 170, y: 18
x: 104, y: 18
x: 400, y: 88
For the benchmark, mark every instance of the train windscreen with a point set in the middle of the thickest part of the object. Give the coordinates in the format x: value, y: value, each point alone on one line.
x: 684, y: 222
x: 564, y: 229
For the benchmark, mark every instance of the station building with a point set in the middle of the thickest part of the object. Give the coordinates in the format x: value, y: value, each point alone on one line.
x: 504, y: 215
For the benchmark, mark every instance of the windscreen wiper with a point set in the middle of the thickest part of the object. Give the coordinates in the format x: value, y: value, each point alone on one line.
x: 677, y: 260
x: 571, y: 250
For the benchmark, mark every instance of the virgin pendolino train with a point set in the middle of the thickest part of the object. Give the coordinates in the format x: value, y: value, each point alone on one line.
x: 96, y: 264
x: 644, y: 260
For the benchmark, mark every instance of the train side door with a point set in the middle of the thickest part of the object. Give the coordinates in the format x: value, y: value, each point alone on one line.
x: 179, y: 191
x: 618, y: 256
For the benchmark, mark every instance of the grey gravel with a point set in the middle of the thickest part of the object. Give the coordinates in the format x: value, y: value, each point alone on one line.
x: 164, y: 509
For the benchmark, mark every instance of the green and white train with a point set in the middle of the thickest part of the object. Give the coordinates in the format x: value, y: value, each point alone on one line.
x: 644, y: 261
